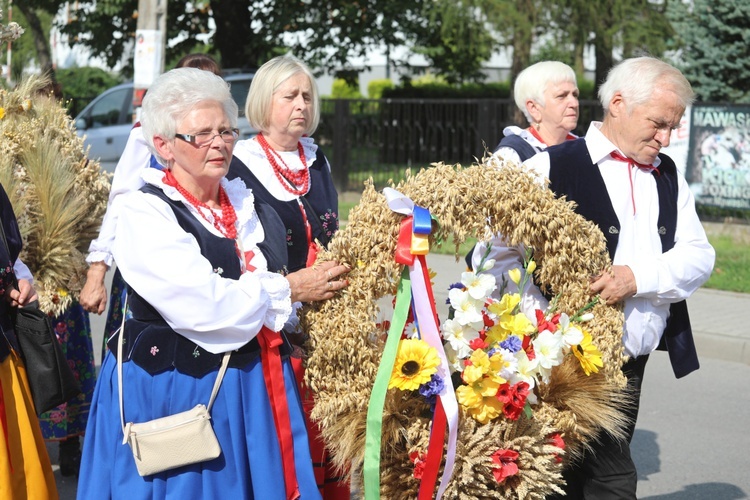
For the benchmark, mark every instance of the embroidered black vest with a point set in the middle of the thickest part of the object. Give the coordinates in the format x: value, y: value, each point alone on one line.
x: 573, y: 174
x: 320, y: 203
x: 147, y: 328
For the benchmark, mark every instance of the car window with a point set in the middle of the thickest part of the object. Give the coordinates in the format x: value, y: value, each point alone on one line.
x: 239, y: 89
x: 108, y: 110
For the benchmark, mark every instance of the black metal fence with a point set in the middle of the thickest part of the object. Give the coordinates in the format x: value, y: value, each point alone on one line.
x: 381, y: 138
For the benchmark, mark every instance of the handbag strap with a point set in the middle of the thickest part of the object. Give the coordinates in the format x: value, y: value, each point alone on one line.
x: 120, y: 340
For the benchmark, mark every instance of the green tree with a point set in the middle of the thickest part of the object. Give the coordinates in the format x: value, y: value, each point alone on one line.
x: 714, y: 36
x: 249, y: 32
x: 35, y: 16
x: 518, y: 23
x: 455, y: 39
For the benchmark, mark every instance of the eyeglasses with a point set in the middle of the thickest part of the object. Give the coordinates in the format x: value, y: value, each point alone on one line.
x: 204, y: 139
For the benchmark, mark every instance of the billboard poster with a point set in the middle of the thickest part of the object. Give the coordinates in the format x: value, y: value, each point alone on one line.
x: 679, y: 142
x: 718, y: 168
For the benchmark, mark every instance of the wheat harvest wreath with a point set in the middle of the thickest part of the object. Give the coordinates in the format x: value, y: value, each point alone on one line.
x: 520, y: 457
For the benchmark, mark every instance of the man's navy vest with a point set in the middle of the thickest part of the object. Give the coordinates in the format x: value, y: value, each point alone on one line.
x: 574, y: 175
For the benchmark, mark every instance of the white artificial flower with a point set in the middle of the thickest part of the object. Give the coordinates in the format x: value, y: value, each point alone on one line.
x: 525, y: 370
x: 509, y: 364
x: 479, y: 286
x: 586, y: 317
x: 455, y: 363
x: 487, y: 265
x: 548, y: 349
x: 467, y: 310
x: 459, y: 336
x: 571, y: 334
x: 411, y: 332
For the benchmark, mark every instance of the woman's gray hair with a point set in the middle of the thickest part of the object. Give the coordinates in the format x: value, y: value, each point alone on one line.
x: 173, y: 94
x: 637, y: 78
x: 534, y: 80
x: 267, y: 80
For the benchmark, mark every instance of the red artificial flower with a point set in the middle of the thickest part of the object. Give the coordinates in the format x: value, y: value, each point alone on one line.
x: 503, y: 393
x: 513, y: 399
x: 478, y: 343
x: 542, y: 323
x: 488, y: 322
x: 419, y: 463
x: 506, y: 461
x: 557, y: 440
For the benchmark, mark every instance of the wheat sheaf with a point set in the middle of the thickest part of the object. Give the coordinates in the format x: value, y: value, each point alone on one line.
x: 58, y: 195
x: 345, y: 347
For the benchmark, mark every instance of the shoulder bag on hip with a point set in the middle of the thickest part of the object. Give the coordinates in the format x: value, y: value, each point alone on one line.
x: 51, y: 380
x: 175, y: 440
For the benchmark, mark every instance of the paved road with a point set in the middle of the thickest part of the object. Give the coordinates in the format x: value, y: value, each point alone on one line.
x: 692, y: 437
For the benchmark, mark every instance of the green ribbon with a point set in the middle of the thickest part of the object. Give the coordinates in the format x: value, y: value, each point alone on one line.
x: 373, y: 436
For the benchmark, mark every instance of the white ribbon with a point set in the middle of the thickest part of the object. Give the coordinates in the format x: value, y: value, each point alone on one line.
x: 430, y: 333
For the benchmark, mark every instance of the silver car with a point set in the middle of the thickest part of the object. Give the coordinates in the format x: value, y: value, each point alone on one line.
x: 106, y: 122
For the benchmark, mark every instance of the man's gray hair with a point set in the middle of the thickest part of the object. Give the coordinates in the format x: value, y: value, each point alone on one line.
x: 636, y: 79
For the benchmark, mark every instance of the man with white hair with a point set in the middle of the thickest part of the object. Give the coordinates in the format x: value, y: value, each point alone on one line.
x: 659, y: 251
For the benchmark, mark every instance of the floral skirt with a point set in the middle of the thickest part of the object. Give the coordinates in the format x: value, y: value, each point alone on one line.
x: 250, y: 462
x: 74, y: 333
x: 25, y: 469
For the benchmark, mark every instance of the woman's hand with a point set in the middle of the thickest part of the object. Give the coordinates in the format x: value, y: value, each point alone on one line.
x: 317, y: 283
x: 22, y: 296
x: 94, y: 293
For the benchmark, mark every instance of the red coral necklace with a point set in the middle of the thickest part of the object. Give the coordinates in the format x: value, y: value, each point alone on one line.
x: 224, y: 223
x: 289, y: 179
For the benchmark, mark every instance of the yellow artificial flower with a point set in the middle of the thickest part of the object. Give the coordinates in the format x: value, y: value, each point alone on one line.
x: 26, y: 104
x: 517, y: 324
x: 531, y: 266
x: 497, y: 333
x: 416, y: 362
x: 515, y: 275
x: 490, y: 409
x: 473, y: 395
x: 2, y: 113
x: 588, y: 354
x: 507, y: 304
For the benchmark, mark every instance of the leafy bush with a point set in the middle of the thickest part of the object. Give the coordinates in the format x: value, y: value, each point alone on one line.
x: 436, y: 89
x: 342, y: 90
x: 376, y: 88
x: 85, y: 82
x: 81, y: 85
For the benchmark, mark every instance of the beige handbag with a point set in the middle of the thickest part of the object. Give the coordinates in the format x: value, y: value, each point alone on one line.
x: 175, y: 440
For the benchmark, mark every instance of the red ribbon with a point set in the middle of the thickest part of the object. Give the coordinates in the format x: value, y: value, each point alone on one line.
x: 273, y: 374
x: 403, y: 247
x: 434, y: 453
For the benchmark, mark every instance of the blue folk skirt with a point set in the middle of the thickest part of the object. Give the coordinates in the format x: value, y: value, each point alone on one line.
x: 249, y: 466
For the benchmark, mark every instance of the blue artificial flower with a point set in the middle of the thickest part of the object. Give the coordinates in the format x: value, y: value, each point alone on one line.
x: 512, y: 344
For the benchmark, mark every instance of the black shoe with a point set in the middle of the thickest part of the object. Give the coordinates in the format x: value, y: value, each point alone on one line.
x: 70, y: 456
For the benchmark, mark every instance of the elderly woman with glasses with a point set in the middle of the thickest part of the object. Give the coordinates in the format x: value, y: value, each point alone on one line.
x: 201, y: 263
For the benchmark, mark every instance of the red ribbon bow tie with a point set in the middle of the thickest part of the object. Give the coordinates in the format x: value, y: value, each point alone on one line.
x: 632, y: 163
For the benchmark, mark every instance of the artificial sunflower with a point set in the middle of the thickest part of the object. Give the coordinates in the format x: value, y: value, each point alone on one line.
x: 416, y: 362
x: 588, y: 354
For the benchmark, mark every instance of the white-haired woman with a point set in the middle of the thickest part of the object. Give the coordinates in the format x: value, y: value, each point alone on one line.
x: 286, y: 169
x: 547, y: 94
x: 199, y: 261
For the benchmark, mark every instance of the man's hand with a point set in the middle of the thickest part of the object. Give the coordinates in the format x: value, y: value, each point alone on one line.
x: 616, y: 286
x: 94, y: 294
